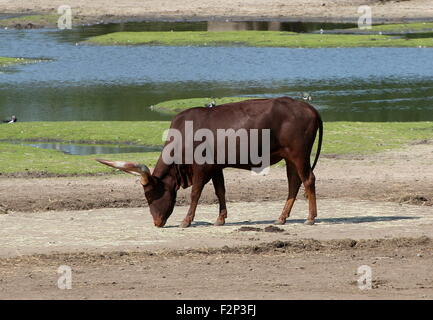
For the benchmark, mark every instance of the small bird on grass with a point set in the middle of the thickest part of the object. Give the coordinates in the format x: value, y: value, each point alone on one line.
x: 11, y: 120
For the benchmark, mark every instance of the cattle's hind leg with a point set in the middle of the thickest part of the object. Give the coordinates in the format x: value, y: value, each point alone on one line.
x: 220, y: 191
x: 310, y: 189
x: 294, y: 183
x: 309, y: 180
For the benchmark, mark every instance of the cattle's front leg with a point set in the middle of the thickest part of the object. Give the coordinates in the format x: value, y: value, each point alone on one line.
x: 220, y: 191
x: 197, y: 188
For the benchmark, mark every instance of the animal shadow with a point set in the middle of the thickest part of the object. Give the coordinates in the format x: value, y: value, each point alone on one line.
x: 343, y: 220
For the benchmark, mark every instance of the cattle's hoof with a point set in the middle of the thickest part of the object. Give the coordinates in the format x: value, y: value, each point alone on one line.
x: 185, y: 224
x: 309, y: 222
x: 280, y: 221
x: 219, y: 223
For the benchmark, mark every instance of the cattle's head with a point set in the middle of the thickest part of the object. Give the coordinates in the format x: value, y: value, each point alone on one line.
x: 160, y: 193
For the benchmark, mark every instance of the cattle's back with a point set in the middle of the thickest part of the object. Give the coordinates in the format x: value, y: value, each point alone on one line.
x: 292, y: 125
x: 247, y: 114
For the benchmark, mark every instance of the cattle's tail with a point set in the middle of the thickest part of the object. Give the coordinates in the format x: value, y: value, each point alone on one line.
x: 319, y: 143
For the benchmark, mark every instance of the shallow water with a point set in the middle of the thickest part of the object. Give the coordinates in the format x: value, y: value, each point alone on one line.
x: 85, y: 149
x: 83, y: 82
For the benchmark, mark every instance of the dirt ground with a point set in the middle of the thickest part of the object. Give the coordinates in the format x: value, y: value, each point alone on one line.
x: 299, y: 10
x: 374, y: 210
x: 306, y: 270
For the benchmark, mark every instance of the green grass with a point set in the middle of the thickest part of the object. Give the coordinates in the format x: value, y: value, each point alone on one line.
x: 402, y: 27
x: 135, y: 132
x: 175, y: 106
x: 370, y: 137
x: 8, y: 61
x: 26, y: 159
x: 256, y: 39
x: 339, y: 138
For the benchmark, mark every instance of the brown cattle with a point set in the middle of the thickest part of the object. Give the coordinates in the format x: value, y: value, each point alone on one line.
x: 293, y: 126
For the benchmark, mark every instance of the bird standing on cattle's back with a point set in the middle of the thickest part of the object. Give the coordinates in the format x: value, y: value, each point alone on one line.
x: 306, y: 96
x: 210, y: 104
x: 12, y: 120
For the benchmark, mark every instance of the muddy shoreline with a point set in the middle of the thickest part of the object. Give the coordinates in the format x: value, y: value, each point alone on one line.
x: 95, y: 20
x: 336, y: 11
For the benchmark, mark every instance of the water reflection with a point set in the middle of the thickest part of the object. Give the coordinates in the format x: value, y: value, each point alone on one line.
x: 83, y: 149
x: 350, y: 100
x: 275, y: 26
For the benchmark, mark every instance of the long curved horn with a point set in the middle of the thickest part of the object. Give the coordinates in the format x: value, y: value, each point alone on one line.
x: 129, y: 167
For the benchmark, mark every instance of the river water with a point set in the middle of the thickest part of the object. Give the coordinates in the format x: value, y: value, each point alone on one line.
x: 76, y: 81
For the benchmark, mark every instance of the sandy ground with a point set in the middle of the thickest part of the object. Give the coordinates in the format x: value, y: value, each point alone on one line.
x: 299, y: 10
x: 132, y: 229
x: 306, y: 270
x: 374, y: 210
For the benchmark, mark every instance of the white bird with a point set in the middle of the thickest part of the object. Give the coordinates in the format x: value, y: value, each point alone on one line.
x: 210, y: 104
x: 12, y: 120
x: 306, y: 96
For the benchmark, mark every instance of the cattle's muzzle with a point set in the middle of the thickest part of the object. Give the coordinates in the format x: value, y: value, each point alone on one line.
x: 159, y: 223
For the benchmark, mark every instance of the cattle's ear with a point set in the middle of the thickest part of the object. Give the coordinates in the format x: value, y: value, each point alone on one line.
x: 131, y: 167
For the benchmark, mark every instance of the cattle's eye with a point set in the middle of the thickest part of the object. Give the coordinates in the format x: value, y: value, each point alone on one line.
x: 148, y: 188
x: 154, y: 191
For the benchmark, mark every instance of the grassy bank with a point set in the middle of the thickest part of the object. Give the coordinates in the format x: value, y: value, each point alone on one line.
x: 256, y: 39
x: 8, y: 61
x: 173, y: 107
x: 26, y: 159
x: 403, y: 27
x: 133, y: 132
x: 339, y: 138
